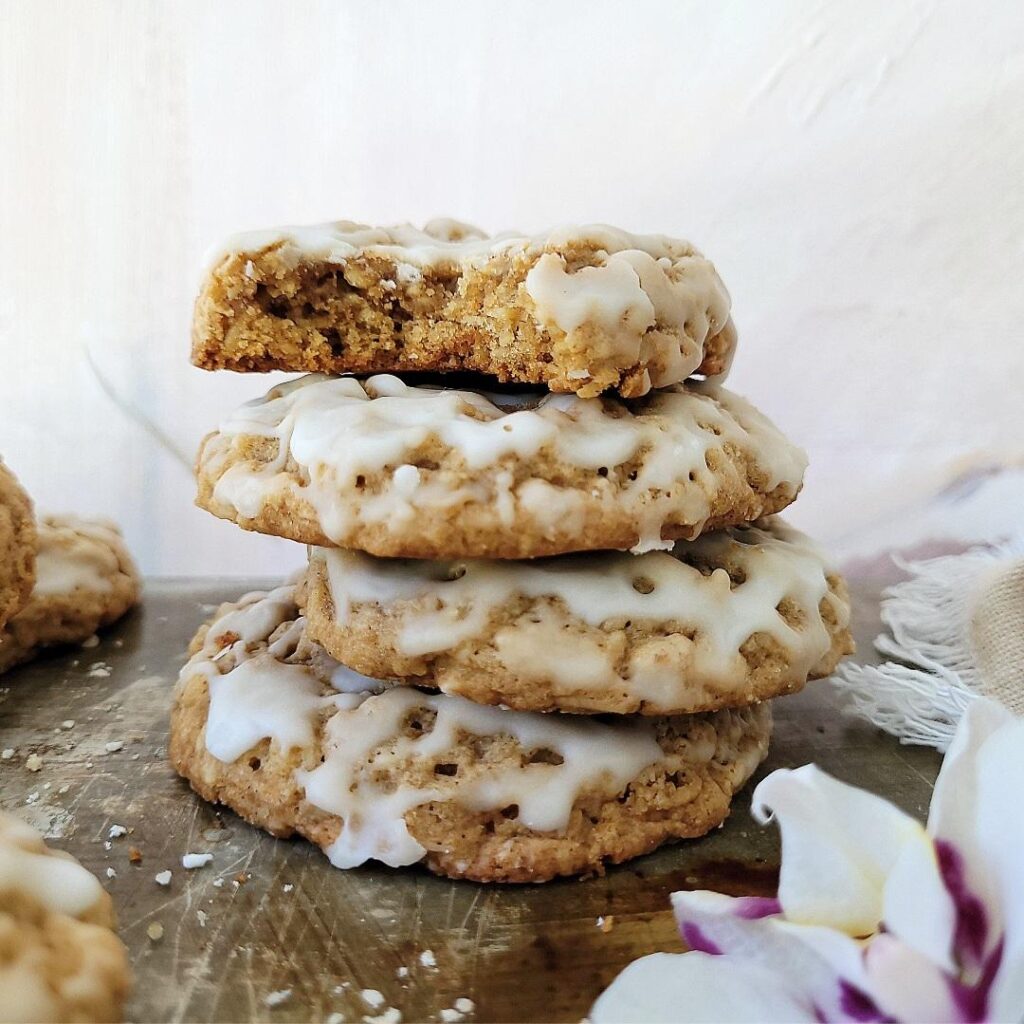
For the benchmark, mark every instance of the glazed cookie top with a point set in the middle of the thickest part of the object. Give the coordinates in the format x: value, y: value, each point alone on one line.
x: 386, y: 749
x: 79, y: 554
x: 605, y: 308
x: 51, y: 878
x: 719, y: 591
x: 17, y: 545
x: 381, y: 453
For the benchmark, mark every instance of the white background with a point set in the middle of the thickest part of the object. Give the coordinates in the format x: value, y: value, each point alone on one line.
x: 855, y: 170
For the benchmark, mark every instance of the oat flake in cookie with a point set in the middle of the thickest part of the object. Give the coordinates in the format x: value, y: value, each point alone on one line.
x: 59, y: 957
x: 17, y: 545
x: 579, y: 309
x: 734, y: 617
x: 85, y: 579
x: 267, y: 723
x: 426, y: 472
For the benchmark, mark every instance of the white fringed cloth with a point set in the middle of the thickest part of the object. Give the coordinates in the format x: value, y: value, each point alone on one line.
x: 956, y: 632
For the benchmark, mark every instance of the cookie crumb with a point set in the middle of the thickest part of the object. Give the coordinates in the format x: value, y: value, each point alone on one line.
x: 390, y: 1016
x: 134, y: 855
x: 34, y: 762
x: 282, y: 995
x: 162, y: 878
x: 191, y: 861
x: 155, y: 930
x: 606, y: 924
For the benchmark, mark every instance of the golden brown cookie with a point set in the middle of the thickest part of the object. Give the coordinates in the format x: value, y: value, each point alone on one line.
x: 731, y: 618
x: 425, y: 472
x: 581, y: 309
x: 85, y: 579
x: 17, y: 545
x: 267, y: 723
x: 59, y: 957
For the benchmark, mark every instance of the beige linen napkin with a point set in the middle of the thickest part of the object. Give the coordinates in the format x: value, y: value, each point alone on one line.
x: 956, y: 631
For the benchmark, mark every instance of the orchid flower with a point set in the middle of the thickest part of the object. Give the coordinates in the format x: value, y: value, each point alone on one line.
x: 877, y: 918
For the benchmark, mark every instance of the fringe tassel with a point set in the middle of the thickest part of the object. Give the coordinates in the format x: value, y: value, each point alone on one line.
x: 920, y: 694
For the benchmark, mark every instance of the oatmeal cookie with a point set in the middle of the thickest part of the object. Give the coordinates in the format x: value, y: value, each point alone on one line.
x: 17, y: 545
x: 59, y: 957
x: 85, y: 579
x: 267, y: 723
x: 581, y: 309
x: 729, y: 619
x: 424, y: 472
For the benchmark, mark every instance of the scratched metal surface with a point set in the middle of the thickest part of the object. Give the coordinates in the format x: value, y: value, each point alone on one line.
x: 521, y: 954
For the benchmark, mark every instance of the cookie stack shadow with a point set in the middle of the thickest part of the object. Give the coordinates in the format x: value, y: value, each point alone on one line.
x: 547, y: 606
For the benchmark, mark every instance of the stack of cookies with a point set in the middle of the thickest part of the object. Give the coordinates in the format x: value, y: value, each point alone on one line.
x: 548, y: 600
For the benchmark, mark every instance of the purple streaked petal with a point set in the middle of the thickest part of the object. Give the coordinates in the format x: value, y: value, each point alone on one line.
x: 970, y: 934
x: 859, y: 1006
x: 973, y: 1000
x: 695, y: 938
x: 753, y: 908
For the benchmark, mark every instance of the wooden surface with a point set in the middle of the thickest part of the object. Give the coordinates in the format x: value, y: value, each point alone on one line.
x: 232, y: 934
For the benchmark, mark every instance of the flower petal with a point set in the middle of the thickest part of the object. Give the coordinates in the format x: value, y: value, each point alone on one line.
x: 1000, y: 841
x: 685, y: 987
x: 917, y: 907
x: 839, y: 844
x: 906, y: 984
x: 824, y: 965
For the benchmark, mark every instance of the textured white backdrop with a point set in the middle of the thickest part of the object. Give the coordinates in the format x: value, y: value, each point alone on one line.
x: 854, y: 170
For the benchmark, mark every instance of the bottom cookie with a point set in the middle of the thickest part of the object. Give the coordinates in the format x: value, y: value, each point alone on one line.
x: 85, y: 579
x: 266, y: 722
x: 59, y: 957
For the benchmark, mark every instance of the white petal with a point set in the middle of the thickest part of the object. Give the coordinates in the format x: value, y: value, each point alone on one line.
x: 906, y: 984
x: 1000, y: 841
x: 684, y: 987
x: 810, y: 960
x: 839, y: 844
x: 917, y: 906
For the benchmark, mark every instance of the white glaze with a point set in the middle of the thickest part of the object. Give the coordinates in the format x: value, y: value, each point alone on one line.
x: 77, y: 554
x: 256, y: 694
x: 57, y: 882
x: 441, y: 605
x: 338, y: 430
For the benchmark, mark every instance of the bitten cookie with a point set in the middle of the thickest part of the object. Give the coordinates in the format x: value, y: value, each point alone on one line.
x: 85, y: 579
x: 425, y: 472
x: 729, y: 619
x: 582, y: 309
x: 59, y: 957
x: 17, y: 545
x: 267, y: 723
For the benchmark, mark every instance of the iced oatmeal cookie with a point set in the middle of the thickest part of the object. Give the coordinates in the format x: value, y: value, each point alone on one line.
x: 17, y: 545
x: 85, y: 579
x: 59, y: 957
x: 425, y: 472
x: 731, y: 618
x: 267, y: 723
x: 580, y: 309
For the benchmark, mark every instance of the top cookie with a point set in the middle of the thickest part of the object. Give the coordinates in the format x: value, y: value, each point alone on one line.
x: 17, y: 545
x: 59, y: 959
x: 580, y: 309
